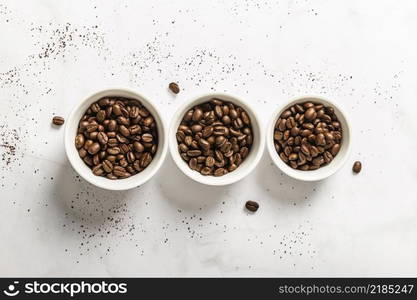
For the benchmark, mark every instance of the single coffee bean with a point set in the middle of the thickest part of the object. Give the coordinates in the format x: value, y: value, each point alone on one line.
x: 335, y: 149
x: 101, y: 116
x: 174, y: 87
x: 357, y: 167
x: 102, y: 138
x: 112, y: 125
x: 79, y: 141
x: 57, y: 120
x: 252, y: 206
x: 310, y: 114
x: 145, y: 159
x: 124, y: 131
x: 320, y: 139
x: 107, y: 166
x: 206, y: 171
x: 220, y: 172
x: 293, y: 156
x: 87, y: 144
x: 92, y: 127
x: 135, y: 129
x: 94, y: 148
x: 148, y: 121
x: 197, y: 115
x: 194, y: 153
x: 147, y: 138
x: 138, y: 147
x: 82, y: 153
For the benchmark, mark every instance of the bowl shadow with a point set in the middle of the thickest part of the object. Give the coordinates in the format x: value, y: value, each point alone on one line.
x: 185, y: 193
x: 285, y: 189
x: 85, y: 204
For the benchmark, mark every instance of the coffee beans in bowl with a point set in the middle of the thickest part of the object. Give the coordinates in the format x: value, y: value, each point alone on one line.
x: 308, y: 138
x: 223, y: 135
x: 215, y: 137
x: 308, y: 135
x: 117, y: 137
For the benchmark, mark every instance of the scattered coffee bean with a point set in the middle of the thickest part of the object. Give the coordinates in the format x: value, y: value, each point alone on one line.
x: 308, y: 136
x: 57, y: 120
x: 117, y: 137
x: 252, y: 206
x: 174, y: 87
x: 215, y: 137
x: 357, y: 167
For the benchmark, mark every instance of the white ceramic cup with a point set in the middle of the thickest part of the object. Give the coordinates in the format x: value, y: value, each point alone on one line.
x: 322, y: 172
x: 84, y: 171
x: 248, y: 164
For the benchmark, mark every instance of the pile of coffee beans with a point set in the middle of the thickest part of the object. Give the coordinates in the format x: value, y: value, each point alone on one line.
x: 215, y: 137
x: 117, y: 137
x: 308, y: 136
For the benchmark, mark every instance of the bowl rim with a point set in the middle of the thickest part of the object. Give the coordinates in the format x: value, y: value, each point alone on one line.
x: 120, y: 184
x: 314, y: 175
x: 231, y: 177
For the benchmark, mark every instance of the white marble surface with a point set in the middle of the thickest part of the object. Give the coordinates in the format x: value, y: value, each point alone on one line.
x: 362, y: 54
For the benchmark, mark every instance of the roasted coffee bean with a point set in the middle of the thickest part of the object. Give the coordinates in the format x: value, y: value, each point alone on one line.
x: 196, y: 128
x: 293, y: 156
x: 135, y: 129
x: 148, y: 121
x: 94, y: 148
x: 117, y: 137
x: 335, y: 149
x: 107, y: 166
x: 193, y: 163
x: 252, y: 206
x: 320, y: 139
x: 310, y: 114
x: 95, y: 107
x: 138, y: 147
x: 307, y: 135
x: 208, y: 131
x: 102, y: 138
x: 82, y: 153
x: 92, y: 127
x: 206, y: 171
x: 145, y: 159
x: 79, y: 141
x: 357, y: 167
x: 124, y: 131
x: 112, y: 125
x: 101, y: 116
x: 211, y: 135
x: 194, y: 153
x: 220, y: 172
x: 96, y: 159
x: 147, y: 138
x: 57, y: 120
x: 197, y: 114
x: 87, y: 144
x: 174, y: 87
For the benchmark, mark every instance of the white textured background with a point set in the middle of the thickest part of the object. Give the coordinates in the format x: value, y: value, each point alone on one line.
x: 362, y: 54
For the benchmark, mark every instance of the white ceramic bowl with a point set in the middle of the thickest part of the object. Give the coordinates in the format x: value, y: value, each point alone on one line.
x: 84, y: 171
x: 322, y: 172
x: 247, y: 165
